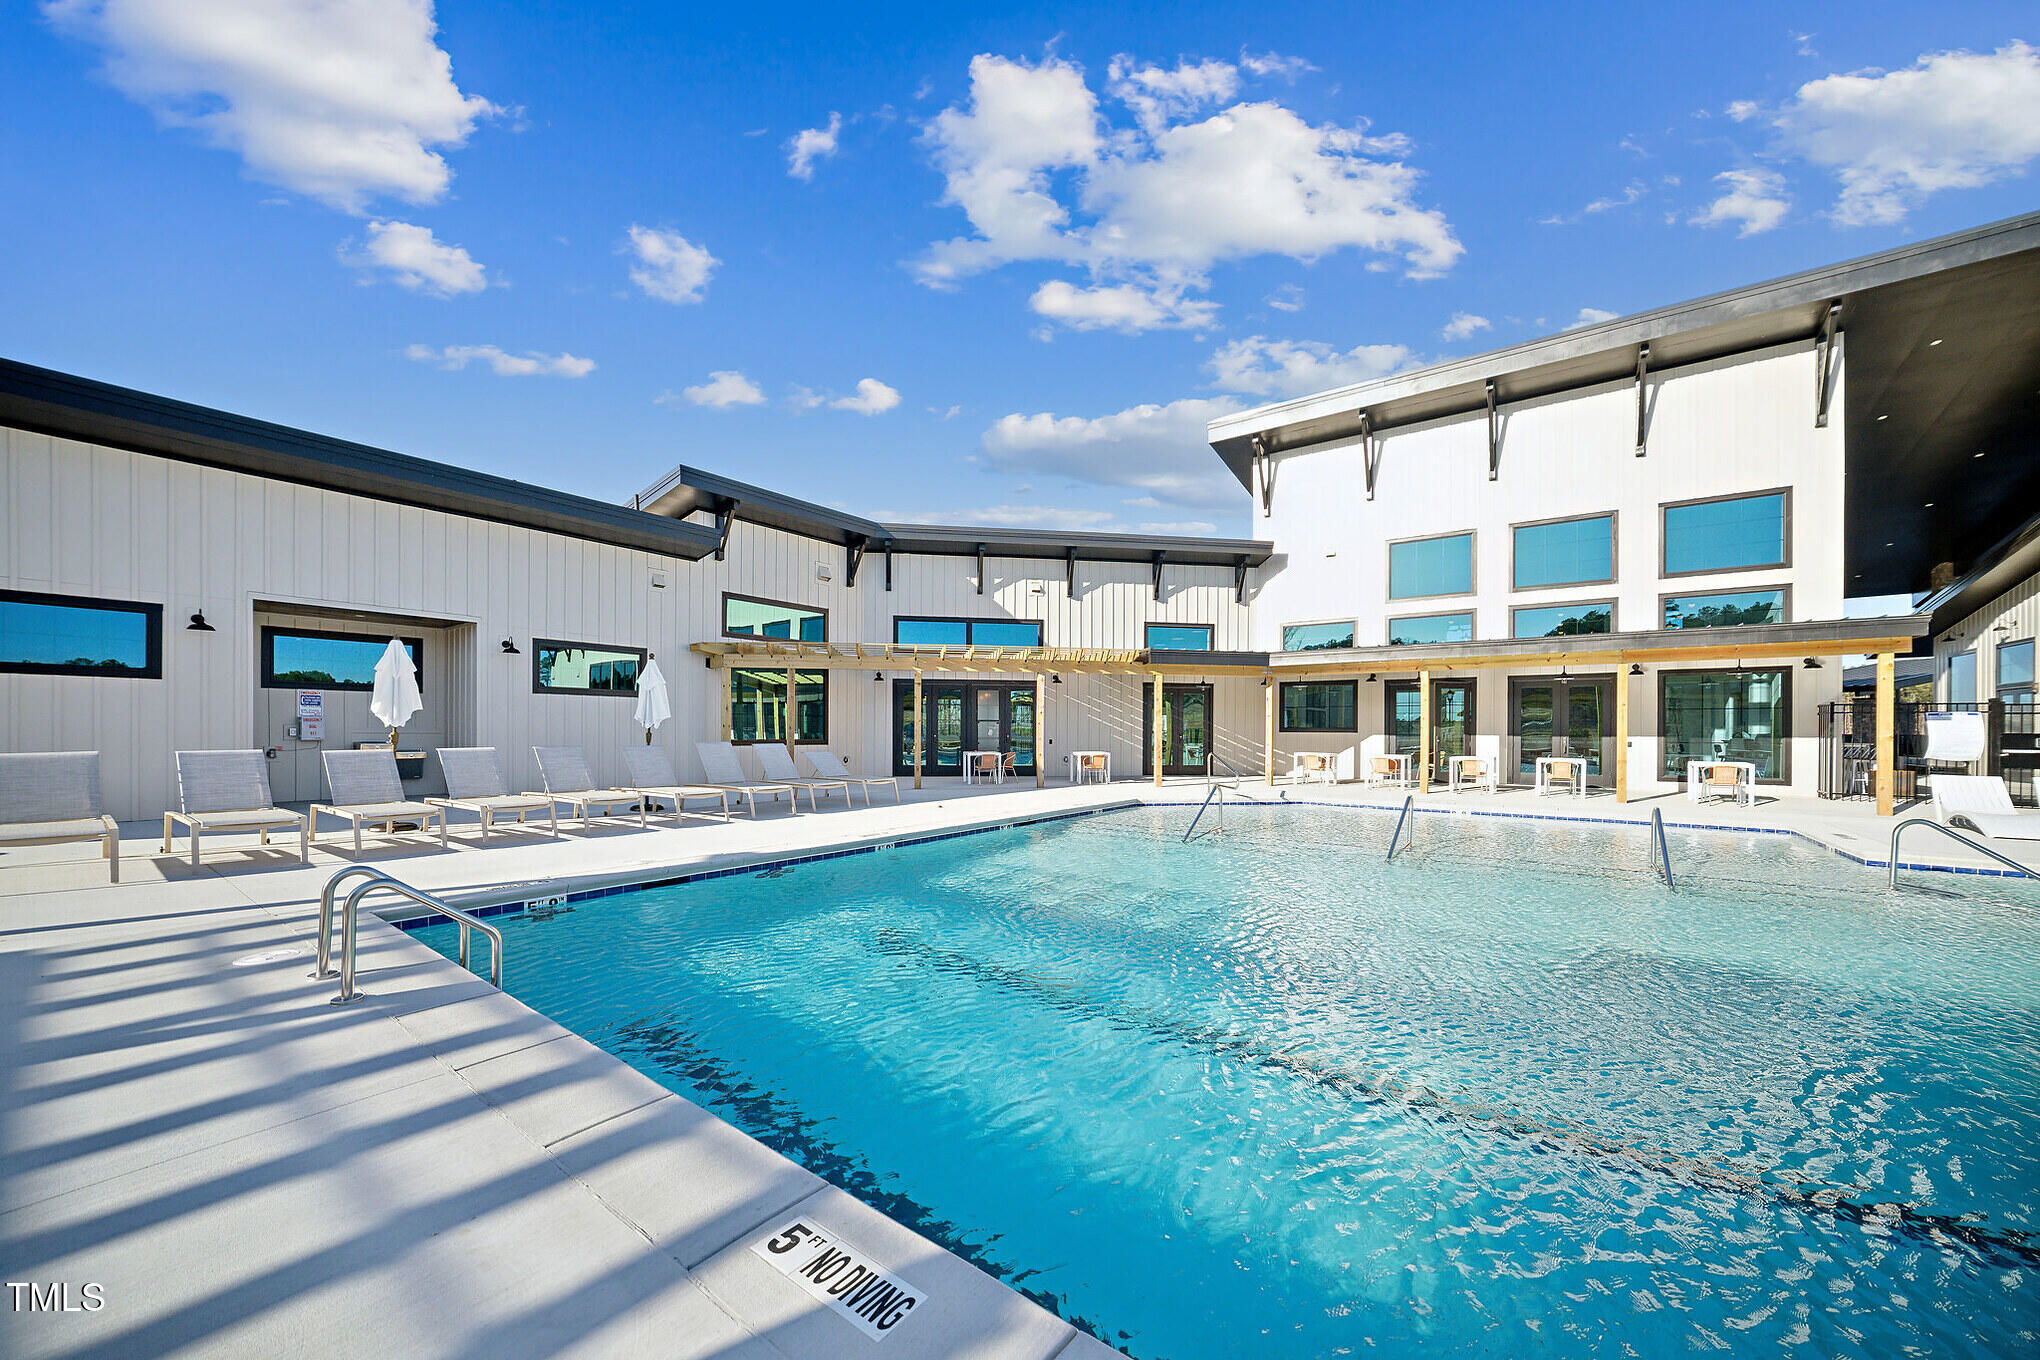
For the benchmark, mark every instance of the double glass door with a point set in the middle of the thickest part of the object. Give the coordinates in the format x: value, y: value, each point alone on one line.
x: 956, y: 718
x: 1186, y: 729
x: 1563, y: 717
x: 1451, y: 720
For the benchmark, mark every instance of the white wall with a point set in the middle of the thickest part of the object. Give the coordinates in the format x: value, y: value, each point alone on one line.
x: 2018, y: 610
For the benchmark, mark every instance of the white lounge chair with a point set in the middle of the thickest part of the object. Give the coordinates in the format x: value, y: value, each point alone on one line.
x: 720, y: 764
x: 829, y: 765
x: 1982, y: 803
x: 366, y: 788
x: 229, y: 791
x: 777, y: 763
x: 564, y: 769
x: 474, y: 783
x: 651, y: 774
x: 53, y: 797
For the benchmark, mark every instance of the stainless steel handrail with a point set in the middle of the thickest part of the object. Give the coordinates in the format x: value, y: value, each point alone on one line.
x: 1216, y: 791
x: 1897, y: 831
x: 1395, y: 841
x: 378, y: 881
x: 325, y: 969
x: 1216, y: 759
x: 1662, y: 862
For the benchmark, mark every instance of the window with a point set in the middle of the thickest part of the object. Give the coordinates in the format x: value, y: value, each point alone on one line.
x: 915, y: 632
x: 1321, y: 706
x: 1563, y: 620
x: 1725, y: 611
x: 1315, y: 637
x: 1733, y: 533
x: 1179, y: 637
x: 584, y: 668
x: 298, y: 658
x: 1430, y: 628
x: 745, y: 617
x: 1566, y: 552
x: 1962, y: 678
x: 758, y: 706
x: 2015, y: 672
x: 1726, y: 715
x: 73, y: 635
x: 1430, y: 566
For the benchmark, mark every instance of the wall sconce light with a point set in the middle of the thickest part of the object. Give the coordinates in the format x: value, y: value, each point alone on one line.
x: 1370, y: 677
x: 1635, y: 669
x: 199, y: 625
x: 1055, y: 679
x: 510, y: 648
x: 878, y: 676
x: 1811, y: 663
x: 1264, y: 681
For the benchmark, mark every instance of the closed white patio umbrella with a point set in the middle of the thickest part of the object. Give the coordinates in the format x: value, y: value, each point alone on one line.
x: 396, y: 699
x: 652, y: 706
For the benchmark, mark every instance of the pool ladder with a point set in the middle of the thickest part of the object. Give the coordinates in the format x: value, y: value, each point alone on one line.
x: 1399, y: 841
x: 375, y: 880
x: 1899, y: 830
x: 1215, y: 794
x: 1661, y: 853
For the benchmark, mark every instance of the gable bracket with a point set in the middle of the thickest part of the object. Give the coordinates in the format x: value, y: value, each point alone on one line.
x: 1264, y: 469
x: 1370, y: 450
x: 855, y: 554
x: 1158, y: 576
x: 725, y: 516
x: 981, y: 568
x: 1494, y: 441
x: 1642, y: 394
x: 1239, y: 581
x: 1824, y: 370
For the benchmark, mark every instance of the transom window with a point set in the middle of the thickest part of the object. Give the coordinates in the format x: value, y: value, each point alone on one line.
x: 1427, y: 628
x: 74, y: 635
x: 1431, y: 566
x: 1567, y: 552
x: 920, y: 632
x: 1728, y: 610
x: 1321, y: 706
x: 300, y: 658
x: 1315, y: 637
x: 758, y: 706
x: 1563, y: 620
x: 584, y: 668
x: 1733, y: 533
x: 1179, y: 637
x: 746, y: 617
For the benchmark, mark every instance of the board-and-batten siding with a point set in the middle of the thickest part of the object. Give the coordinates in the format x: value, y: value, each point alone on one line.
x: 2018, y: 610
x: 87, y: 520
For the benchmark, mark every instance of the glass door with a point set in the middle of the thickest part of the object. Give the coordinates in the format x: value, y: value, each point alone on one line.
x: 1186, y: 729
x: 1562, y: 717
x: 1020, y: 727
x: 960, y: 717
x: 1451, y: 721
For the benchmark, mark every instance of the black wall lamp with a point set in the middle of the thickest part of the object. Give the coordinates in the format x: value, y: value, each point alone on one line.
x: 878, y: 676
x: 199, y: 625
x: 1055, y: 679
x: 510, y: 648
x: 1635, y: 669
x: 1811, y: 663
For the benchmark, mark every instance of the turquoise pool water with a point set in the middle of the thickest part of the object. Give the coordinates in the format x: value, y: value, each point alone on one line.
x: 1265, y: 1095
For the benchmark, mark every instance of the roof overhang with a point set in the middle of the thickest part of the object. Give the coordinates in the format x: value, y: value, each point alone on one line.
x: 69, y: 407
x: 2003, y: 566
x: 897, y: 656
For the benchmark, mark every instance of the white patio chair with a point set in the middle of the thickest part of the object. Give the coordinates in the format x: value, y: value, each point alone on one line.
x: 49, y: 798
x: 564, y: 771
x: 474, y: 783
x: 720, y: 765
x: 777, y: 763
x: 1981, y: 803
x: 1727, y: 781
x: 229, y: 791
x: 829, y: 765
x: 365, y: 788
x: 651, y: 773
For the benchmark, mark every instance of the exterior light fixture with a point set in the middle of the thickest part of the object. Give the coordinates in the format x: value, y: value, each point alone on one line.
x: 1932, y: 343
x: 199, y: 625
x: 878, y: 676
x: 509, y: 648
x: 1811, y: 663
x: 1055, y: 679
x: 1884, y: 417
x: 1370, y: 677
x: 1264, y: 681
x: 1635, y: 669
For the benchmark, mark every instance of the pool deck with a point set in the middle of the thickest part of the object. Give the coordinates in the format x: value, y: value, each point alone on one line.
x: 437, y: 1170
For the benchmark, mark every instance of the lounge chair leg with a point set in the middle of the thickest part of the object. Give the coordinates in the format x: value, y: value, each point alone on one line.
x: 166, y: 833
x: 304, y: 840
x: 265, y: 835
x: 194, y: 845
x: 357, y: 834
x: 113, y: 855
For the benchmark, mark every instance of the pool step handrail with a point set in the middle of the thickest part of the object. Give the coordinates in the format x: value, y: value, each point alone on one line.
x: 1217, y: 791
x: 1661, y: 859
x: 1891, y: 879
x: 375, y: 880
x: 1395, y: 842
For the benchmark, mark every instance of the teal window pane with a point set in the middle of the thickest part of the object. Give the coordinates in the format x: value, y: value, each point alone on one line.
x: 1312, y: 637
x: 572, y: 667
x: 37, y: 635
x: 1563, y: 620
x: 1431, y: 566
x: 1748, y: 531
x: 1568, y: 553
x: 299, y: 660
x: 1004, y: 633
x: 1725, y: 715
x: 744, y: 617
x: 1321, y: 706
x: 1427, y: 628
x: 1725, y: 611
x: 1179, y: 637
x: 931, y: 632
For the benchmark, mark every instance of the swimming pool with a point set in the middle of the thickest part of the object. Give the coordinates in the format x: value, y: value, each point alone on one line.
x: 1265, y: 1095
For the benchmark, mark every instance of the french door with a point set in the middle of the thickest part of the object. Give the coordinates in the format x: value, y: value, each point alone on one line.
x: 1452, y: 720
x: 1567, y: 716
x: 959, y: 717
x: 1186, y: 729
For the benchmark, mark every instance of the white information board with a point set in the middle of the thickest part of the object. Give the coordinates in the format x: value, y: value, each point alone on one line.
x: 311, y: 715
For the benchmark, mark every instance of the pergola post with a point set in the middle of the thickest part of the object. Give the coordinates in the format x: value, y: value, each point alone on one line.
x: 1424, y: 730
x: 792, y: 679
x: 1268, y: 731
x: 1155, y: 731
x: 920, y: 718
x: 1621, y: 733
x: 1040, y: 720
x: 1887, y: 734
x: 727, y: 730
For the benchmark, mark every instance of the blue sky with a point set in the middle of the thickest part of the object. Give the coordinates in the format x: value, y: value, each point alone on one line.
x: 961, y: 263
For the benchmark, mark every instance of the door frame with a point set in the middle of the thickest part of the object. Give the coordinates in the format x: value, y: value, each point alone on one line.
x: 1147, y: 727
x: 1560, y: 705
x: 1409, y: 684
x: 902, y: 695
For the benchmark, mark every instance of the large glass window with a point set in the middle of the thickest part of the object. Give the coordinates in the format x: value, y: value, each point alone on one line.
x: 920, y: 632
x: 1315, y: 637
x: 1732, y: 534
x: 749, y: 618
x: 1568, y: 552
x: 1005, y: 633
x: 1430, y: 628
x: 1725, y: 611
x: 1179, y: 637
x: 73, y: 635
x: 1321, y: 706
x: 2015, y: 672
x: 584, y: 668
x: 1962, y: 678
x: 1430, y: 566
x: 758, y: 706
x: 1726, y: 715
x: 1563, y: 620
x: 296, y: 658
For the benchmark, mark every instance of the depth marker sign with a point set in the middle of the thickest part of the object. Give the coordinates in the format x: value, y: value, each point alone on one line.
x: 841, y: 1276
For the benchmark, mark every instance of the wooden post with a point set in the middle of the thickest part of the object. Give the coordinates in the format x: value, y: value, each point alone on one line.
x: 791, y: 683
x: 1887, y: 735
x: 1268, y: 732
x: 1040, y: 721
x: 727, y: 717
x: 920, y: 721
x: 1156, y: 731
x: 1424, y: 730
x: 1621, y: 732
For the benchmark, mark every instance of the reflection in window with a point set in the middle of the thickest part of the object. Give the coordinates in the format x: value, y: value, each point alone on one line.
x: 1179, y: 637
x: 1962, y: 678
x: 758, y: 706
x: 1005, y: 633
x: 1321, y: 706
x: 1570, y: 552
x: 296, y: 659
x: 1725, y: 611
x: 1728, y: 535
x: 1431, y: 566
x: 1312, y: 637
x: 918, y: 632
x: 2015, y: 672
x: 1426, y: 628
x: 578, y: 668
x: 1725, y: 715
x: 1563, y: 620
x: 60, y: 635
x: 746, y: 617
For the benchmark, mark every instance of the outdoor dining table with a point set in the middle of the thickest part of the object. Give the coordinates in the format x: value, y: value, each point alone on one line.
x: 1085, y: 764
x: 1696, y: 778
x: 1579, y: 783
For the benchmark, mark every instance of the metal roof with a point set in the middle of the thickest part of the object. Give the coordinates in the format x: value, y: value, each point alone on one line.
x: 69, y: 407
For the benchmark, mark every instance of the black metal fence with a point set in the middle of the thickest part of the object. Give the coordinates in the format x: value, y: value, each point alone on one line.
x: 1848, y: 748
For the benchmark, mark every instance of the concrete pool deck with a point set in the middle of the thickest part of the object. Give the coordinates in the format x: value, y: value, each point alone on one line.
x: 243, y: 1169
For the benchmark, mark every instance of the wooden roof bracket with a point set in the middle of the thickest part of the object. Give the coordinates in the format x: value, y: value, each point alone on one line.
x: 725, y: 516
x: 1824, y: 367
x: 855, y: 553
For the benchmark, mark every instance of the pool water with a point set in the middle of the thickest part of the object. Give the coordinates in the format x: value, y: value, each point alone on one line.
x: 1264, y: 1094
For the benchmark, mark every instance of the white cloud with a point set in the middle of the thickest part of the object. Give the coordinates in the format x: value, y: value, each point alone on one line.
x: 1631, y: 192
x: 1289, y: 368
x: 803, y: 398
x: 1044, y: 176
x: 726, y: 387
x: 1176, y: 526
x: 809, y: 145
x: 1287, y: 298
x: 345, y: 103
x: 1952, y: 120
x: 1755, y: 200
x: 505, y: 365
x: 873, y: 398
x: 1590, y: 316
x: 1742, y: 110
x: 1054, y: 518
x: 1160, y: 450
x: 1273, y: 64
x: 416, y: 259
x: 1123, y: 307
x: 669, y: 267
x: 1463, y: 325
